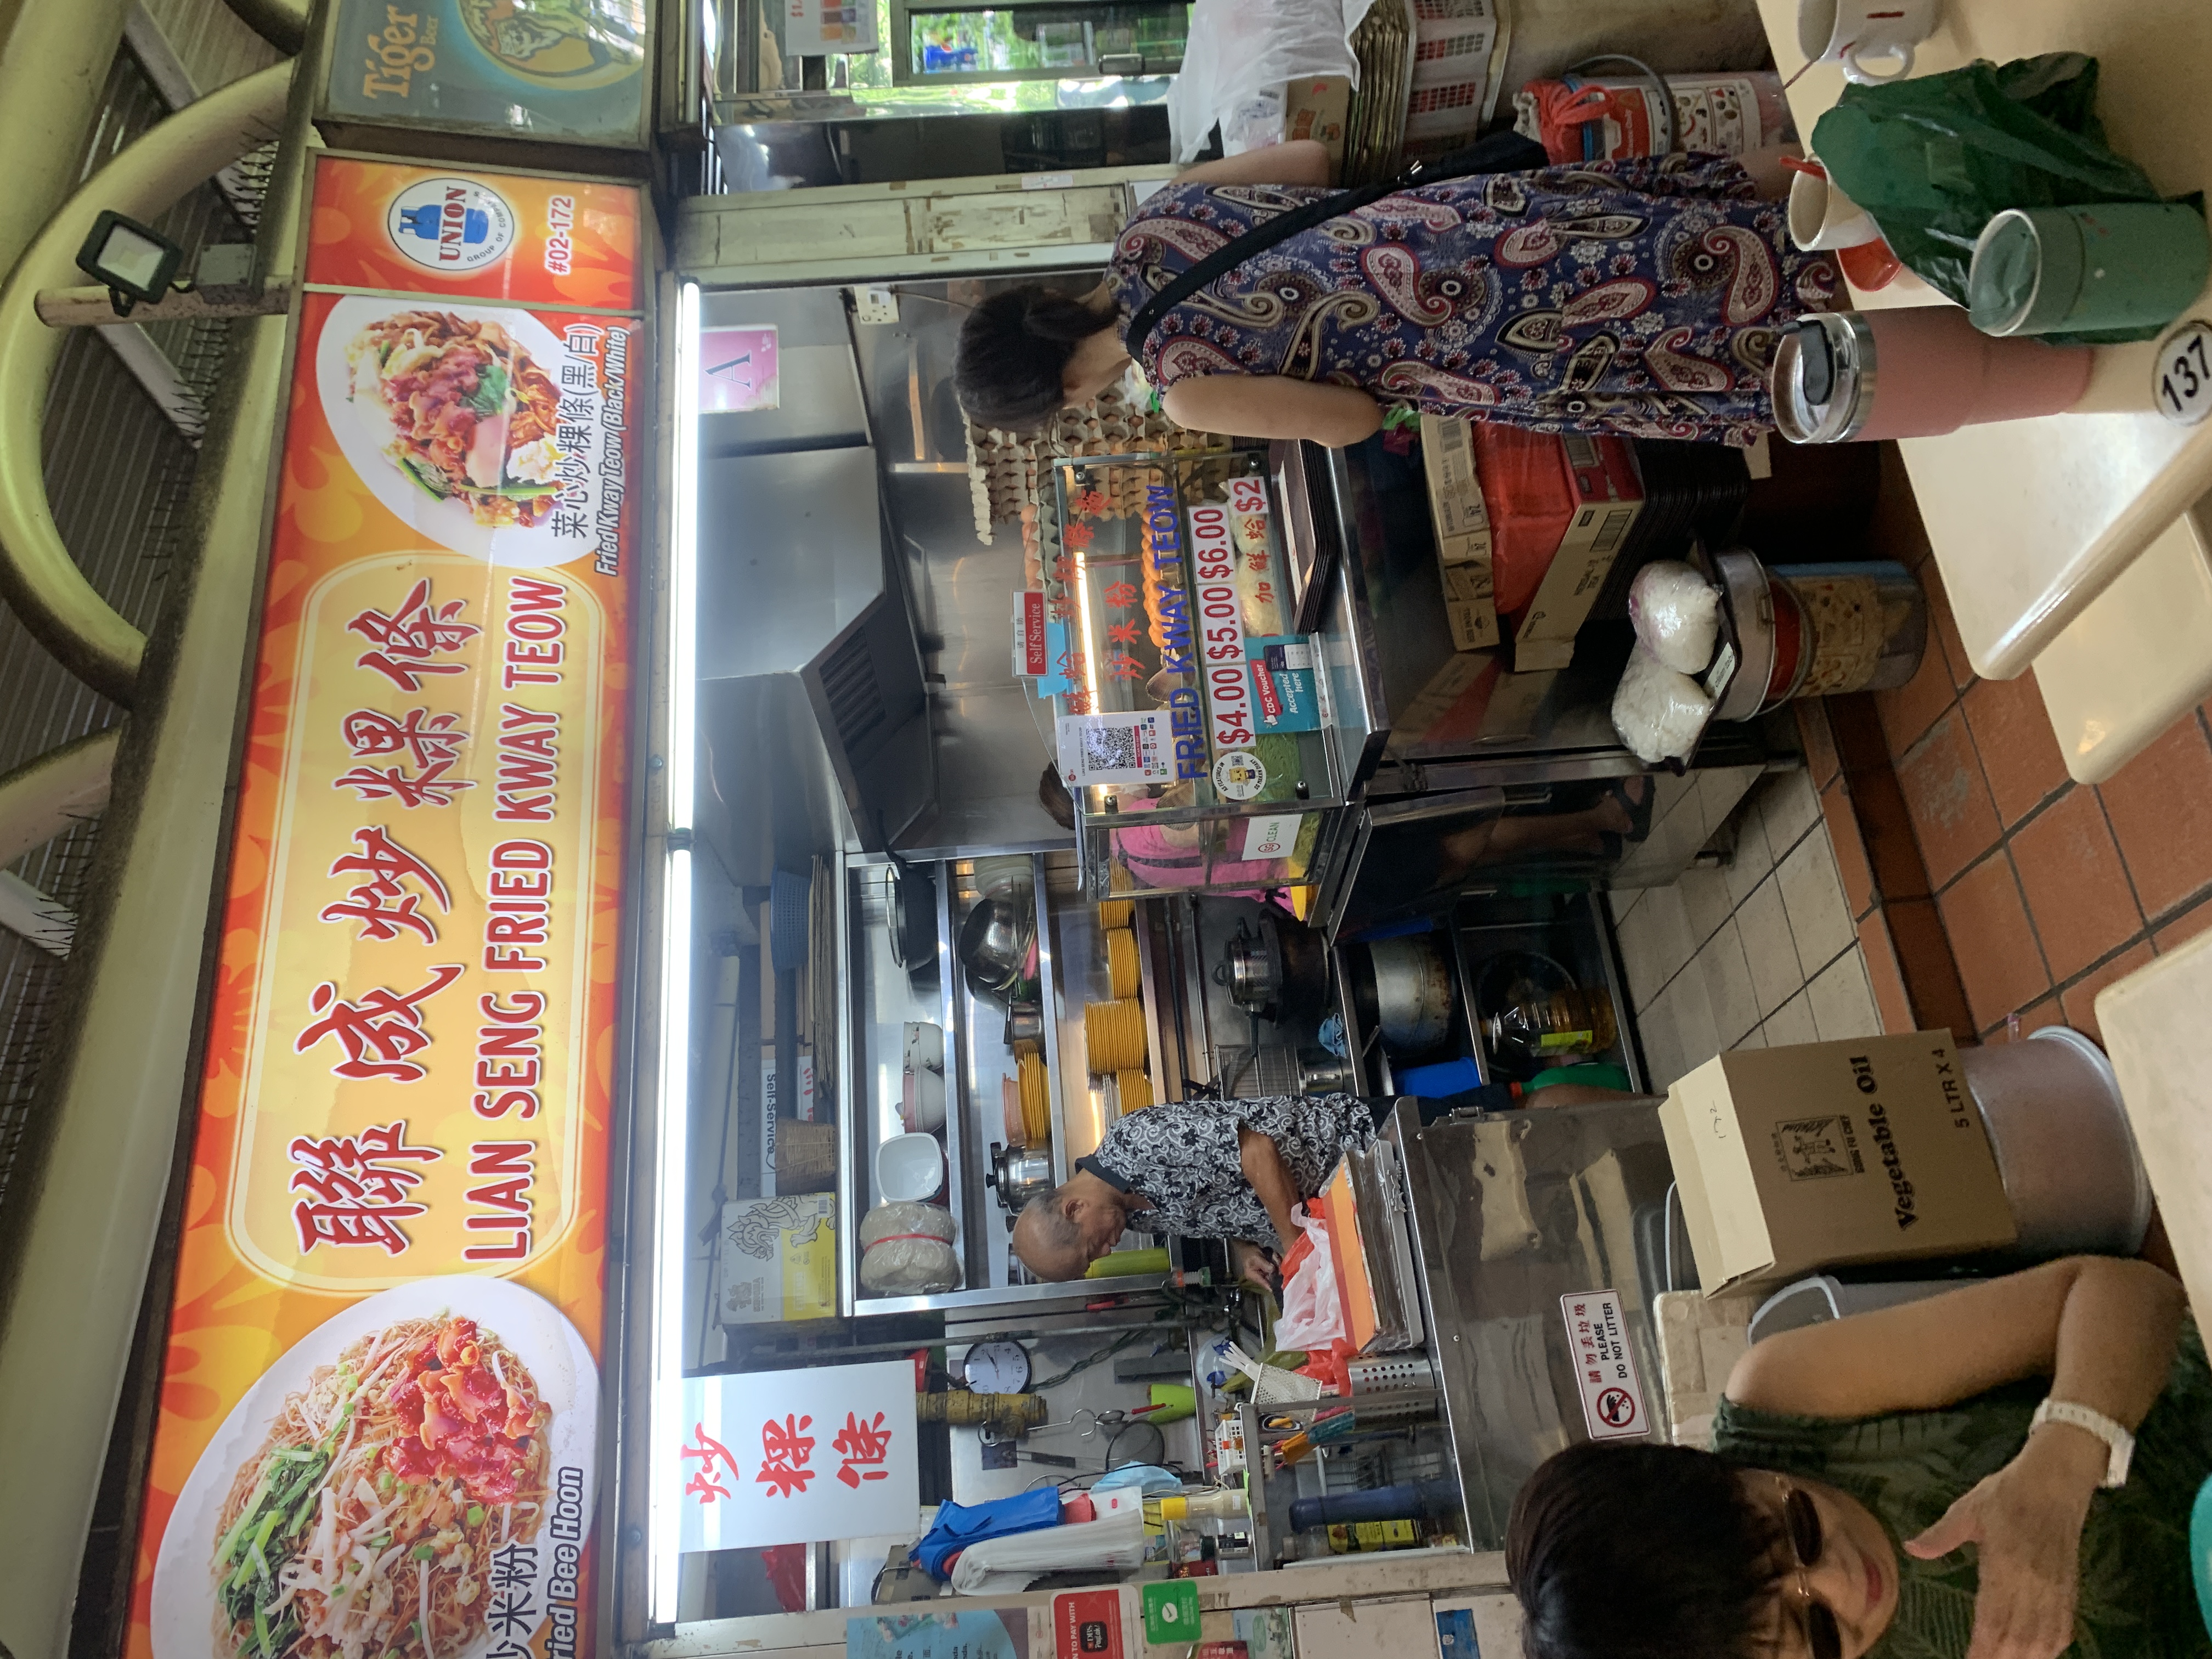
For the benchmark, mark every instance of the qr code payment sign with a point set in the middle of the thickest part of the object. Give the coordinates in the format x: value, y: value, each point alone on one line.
x: 1136, y: 746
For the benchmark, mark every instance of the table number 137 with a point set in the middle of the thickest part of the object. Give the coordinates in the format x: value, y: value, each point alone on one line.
x: 2181, y: 378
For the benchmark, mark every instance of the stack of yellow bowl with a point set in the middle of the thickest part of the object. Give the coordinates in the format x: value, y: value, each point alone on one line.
x: 1135, y: 1089
x: 1116, y: 912
x: 1113, y: 1034
x: 1037, y: 1102
x: 1121, y: 971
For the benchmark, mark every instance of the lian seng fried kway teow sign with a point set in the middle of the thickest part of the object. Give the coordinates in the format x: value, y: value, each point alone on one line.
x: 379, y: 1410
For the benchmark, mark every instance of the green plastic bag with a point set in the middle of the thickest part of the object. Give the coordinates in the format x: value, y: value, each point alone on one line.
x: 1933, y: 160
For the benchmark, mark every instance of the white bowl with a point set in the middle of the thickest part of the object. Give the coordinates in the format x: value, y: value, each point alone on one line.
x: 1822, y: 218
x: 909, y: 1168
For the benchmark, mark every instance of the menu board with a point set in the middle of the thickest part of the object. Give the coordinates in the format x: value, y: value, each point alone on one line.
x: 561, y: 70
x: 379, y: 1403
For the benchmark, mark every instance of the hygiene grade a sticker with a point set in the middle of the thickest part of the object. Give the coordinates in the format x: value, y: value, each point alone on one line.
x: 1605, y: 1366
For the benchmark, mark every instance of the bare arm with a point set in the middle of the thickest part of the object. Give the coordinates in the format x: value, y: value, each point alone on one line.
x: 1272, y: 406
x: 2102, y: 1330
x: 1263, y: 1167
x: 1296, y: 161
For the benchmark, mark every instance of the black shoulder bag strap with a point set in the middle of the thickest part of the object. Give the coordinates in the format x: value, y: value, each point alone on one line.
x: 1503, y: 152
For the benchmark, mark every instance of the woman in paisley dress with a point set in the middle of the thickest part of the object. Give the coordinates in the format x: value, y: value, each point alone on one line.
x: 1640, y: 297
x: 1890, y: 1485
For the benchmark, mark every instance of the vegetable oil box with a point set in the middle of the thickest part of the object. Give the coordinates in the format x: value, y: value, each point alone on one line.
x: 1829, y: 1155
x: 779, y: 1259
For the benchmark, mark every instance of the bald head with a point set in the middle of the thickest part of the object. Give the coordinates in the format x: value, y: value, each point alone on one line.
x: 1048, y: 1240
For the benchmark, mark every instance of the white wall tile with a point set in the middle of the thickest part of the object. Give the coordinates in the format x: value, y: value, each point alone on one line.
x: 1791, y: 1023
x: 1621, y: 902
x: 1752, y: 860
x: 1690, y: 1006
x: 1728, y: 985
x: 1663, y: 1044
x: 1770, y: 950
x: 1789, y: 806
x: 1754, y: 1038
x: 1842, y: 1001
x: 1655, y: 943
x: 1706, y: 901
x: 1813, y: 893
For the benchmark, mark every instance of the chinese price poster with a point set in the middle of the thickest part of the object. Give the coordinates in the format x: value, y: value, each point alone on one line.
x: 379, y: 1406
x: 796, y: 1457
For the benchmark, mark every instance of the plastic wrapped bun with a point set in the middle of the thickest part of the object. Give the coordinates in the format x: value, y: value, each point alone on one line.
x: 907, y: 1250
x: 1659, y: 712
x: 1677, y: 614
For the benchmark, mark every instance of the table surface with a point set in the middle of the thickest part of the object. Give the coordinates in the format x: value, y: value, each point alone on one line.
x: 2031, y: 519
x: 2151, y: 1021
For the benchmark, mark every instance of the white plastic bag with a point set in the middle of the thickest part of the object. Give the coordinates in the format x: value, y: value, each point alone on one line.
x: 1677, y: 614
x: 1660, y: 712
x: 907, y: 1250
x: 1240, y: 50
x: 1313, y: 1311
x: 1000, y: 1566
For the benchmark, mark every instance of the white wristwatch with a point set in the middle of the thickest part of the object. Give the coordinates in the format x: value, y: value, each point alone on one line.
x: 2120, y: 1442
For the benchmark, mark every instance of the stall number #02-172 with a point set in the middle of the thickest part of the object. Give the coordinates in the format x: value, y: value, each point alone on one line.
x: 2182, y: 376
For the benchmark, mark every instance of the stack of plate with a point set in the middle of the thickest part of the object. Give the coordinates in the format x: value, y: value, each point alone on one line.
x: 1121, y: 971
x: 1036, y: 1102
x: 1113, y: 1034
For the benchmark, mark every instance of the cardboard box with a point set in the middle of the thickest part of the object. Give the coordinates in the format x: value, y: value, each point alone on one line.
x: 1830, y: 1155
x: 1608, y: 495
x: 1464, y: 544
x: 779, y: 1259
x: 1316, y: 107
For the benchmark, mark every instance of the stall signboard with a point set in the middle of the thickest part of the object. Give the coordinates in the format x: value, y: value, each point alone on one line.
x: 563, y: 72
x: 795, y: 1457
x: 380, y: 1403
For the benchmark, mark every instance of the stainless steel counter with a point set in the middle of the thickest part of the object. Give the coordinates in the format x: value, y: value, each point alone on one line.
x: 1510, y: 1214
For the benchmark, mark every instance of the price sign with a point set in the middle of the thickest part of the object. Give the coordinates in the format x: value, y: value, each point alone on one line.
x: 2181, y: 376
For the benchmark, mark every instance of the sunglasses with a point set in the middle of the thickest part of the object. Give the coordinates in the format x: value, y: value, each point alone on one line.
x: 1802, y: 1523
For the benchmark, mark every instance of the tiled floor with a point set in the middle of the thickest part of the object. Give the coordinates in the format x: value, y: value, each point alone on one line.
x: 1761, y: 948
x: 2048, y: 889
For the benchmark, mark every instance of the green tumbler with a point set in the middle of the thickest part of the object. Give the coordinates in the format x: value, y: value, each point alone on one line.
x: 2111, y: 265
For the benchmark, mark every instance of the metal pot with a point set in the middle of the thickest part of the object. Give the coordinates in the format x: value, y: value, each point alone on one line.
x: 1019, y: 1174
x: 1024, y: 1024
x: 1252, y: 968
x: 1321, y: 1072
x: 1412, y: 993
x: 1275, y: 970
x: 998, y: 949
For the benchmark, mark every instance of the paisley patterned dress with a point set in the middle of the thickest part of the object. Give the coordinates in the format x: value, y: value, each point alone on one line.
x: 1641, y: 297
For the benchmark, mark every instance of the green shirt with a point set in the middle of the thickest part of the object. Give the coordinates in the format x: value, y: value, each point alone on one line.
x: 2138, y: 1599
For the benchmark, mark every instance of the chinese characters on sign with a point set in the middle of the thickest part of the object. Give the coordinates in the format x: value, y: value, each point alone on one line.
x: 791, y: 1457
x: 1605, y: 1366
x: 400, y: 1161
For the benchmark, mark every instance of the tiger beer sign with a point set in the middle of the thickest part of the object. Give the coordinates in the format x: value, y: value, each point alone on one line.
x: 379, y: 1403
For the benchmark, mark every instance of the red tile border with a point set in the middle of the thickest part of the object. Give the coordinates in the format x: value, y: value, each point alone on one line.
x: 1908, y: 710
x: 1942, y: 625
x: 2184, y: 927
x: 2076, y: 886
x: 1822, y: 762
x: 2079, y: 999
x: 1952, y: 817
x: 2000, y: 964
x: 1838, y: 808
x: 2021, y: 757
x: 1890, y: 999
x: 1929, y: 966
x: 2160, y: 809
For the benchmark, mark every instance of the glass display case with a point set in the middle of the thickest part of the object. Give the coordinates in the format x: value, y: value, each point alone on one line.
x: 986, y: 1057
x: 1193, y: 723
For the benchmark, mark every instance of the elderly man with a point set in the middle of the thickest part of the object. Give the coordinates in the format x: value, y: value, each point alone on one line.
x: 1224, y: 1169
x: 1205, y: 1169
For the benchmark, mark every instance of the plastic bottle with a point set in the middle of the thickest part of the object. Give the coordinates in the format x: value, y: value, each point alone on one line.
x: 1575, y: 1021
x: 1211, y: 1504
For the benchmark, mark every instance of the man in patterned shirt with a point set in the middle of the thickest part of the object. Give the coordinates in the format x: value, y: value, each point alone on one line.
x: 1204, y: 1169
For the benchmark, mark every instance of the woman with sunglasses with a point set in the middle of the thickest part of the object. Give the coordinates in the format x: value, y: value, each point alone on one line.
x: 2001, y: 1472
